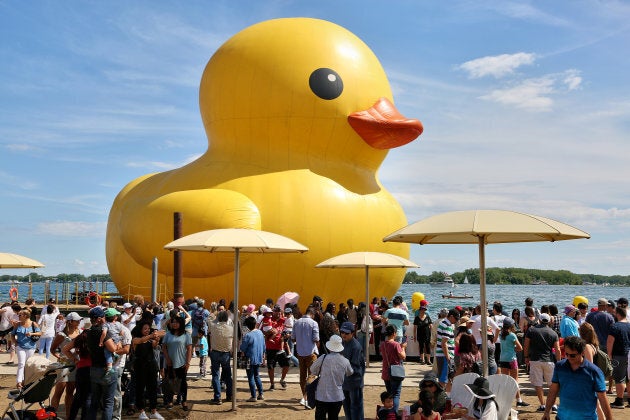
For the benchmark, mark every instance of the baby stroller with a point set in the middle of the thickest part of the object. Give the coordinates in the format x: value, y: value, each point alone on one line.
x: 40, y: 376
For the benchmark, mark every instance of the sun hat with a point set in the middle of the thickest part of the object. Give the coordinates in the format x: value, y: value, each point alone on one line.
x: 568, y: 309
x: 464, y: 320
x: 545, y: 318
x: 73, y: 316
x: 111, y: 312
x: 266, y: 309
x: 480, y: 388
x: 251, y: 308
x: 335, y: 344
x: 347, y: 327
x: 431, y: 378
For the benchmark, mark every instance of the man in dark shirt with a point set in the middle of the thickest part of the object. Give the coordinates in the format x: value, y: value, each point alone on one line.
x: 601, y: 321
x: 540, y: 341
x: 353, y: 384
x: 617, y: 345
x: 103, y: 385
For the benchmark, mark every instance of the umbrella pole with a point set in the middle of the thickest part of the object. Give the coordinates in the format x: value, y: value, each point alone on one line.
x: 235, y: 321
x: 367, y: 313
x: 484, y: 306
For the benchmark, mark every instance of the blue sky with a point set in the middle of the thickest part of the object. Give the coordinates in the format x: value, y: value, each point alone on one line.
x: 526, y: 107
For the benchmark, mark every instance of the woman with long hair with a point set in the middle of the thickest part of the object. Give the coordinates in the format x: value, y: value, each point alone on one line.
x: 145, y: 366
x: 47, y: 325
x: 425, y: 411
x: 468, y: 354
x: 177, y: 349
x: 393, y: 354
x: 25, y: 334
x: 507, y: 361
x: 66, y: 377
x: 587, y: 332
x: 77, y: 350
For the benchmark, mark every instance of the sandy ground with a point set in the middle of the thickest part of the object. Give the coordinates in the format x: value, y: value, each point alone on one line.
x: 283, y: 403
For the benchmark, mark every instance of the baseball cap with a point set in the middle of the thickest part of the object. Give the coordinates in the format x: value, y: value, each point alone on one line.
x: 569, y: 308
x: 622, y: 301
x: 545, y: 318
x: 288, y: 310
x: 73, y: 316
x: 508, y: 322
x: 127, y: 305
x: 266, y: 310
x: 111, y: 312
x: 424, y: 302
x: 602, y: 301
x: 347, y: 327
x: 97, y: 312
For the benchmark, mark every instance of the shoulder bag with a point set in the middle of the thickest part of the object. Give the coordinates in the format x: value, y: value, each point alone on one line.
x: 34, y: 337
x: 311, y: 385
x: 396, y: 372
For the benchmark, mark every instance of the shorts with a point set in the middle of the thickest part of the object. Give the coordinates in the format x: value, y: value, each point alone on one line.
x: 66, y: 375
x: 620, y: 368
x: 540, y: 372
x: 512, y: 364
x: 5, y: 332
x: 273, y: 357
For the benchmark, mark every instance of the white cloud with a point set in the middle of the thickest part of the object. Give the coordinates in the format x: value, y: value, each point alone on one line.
x: 532, y: 95
x: 156, y: 165
x: 572, y: 80
x: 497, y: 66
x: 73, y: 229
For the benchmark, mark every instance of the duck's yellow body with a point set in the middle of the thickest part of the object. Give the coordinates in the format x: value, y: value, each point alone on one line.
x: 299, y: 118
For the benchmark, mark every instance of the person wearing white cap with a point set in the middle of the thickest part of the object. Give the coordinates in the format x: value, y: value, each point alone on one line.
x: 129, y: 318
x: 540, y: 343
x: 332, y: 369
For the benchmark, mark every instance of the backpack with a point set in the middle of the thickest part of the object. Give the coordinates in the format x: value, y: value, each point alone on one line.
x: 199, y: 320
x: 602, y: 361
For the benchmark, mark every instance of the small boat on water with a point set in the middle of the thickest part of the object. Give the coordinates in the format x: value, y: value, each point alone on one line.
x: 448, y: 282
x: 452, y: 296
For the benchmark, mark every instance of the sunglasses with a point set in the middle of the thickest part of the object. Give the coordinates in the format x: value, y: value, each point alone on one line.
x: 572, y: 355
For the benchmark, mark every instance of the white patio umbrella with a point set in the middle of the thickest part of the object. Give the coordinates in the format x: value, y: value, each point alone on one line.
x: 8, y: 260
x: 484, y: 227
x: 236, y: 241
x: 366, y: 260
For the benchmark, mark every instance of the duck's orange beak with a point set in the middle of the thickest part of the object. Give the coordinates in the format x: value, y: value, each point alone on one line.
x: 383, y: 127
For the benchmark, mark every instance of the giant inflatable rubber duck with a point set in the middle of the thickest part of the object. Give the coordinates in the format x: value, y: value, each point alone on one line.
x: 299, y: 116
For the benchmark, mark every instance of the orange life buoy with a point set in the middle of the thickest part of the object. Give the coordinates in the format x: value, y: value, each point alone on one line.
x: 93, y: 299
x: 13, y: 293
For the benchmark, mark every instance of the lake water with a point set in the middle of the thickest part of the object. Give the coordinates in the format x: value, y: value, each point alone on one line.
x: 512, y: 296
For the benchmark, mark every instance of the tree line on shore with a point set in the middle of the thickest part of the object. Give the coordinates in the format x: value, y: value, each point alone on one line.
x: 524, y: 276
x: 494, y: 275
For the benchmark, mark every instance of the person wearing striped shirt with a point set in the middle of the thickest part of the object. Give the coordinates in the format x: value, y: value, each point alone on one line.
x: 445, y: 348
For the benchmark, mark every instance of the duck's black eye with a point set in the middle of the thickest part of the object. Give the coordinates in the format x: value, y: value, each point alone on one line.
x: 326, y: 83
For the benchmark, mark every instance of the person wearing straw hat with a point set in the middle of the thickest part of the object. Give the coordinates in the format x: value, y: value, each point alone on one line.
x: 332, y: 370
x: 483, y: 407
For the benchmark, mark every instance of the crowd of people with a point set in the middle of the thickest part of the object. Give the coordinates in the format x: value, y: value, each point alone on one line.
x: 559, y: 349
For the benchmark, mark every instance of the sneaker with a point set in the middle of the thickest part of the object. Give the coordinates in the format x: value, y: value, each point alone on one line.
x: 522, y: 404
x: 216, y: 402
x: 156, y: 415
x: 260, y: 397
x: 283, y: 383
x: 271, y: 387
x: 302, y: 401
x: 541, y: 408
x: 618, y: 403
x: 252, y: 399
x: 554, y: 408
x: 143, y: 416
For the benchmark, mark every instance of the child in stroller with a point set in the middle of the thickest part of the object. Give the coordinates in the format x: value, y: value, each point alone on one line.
x: 40, y: 376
